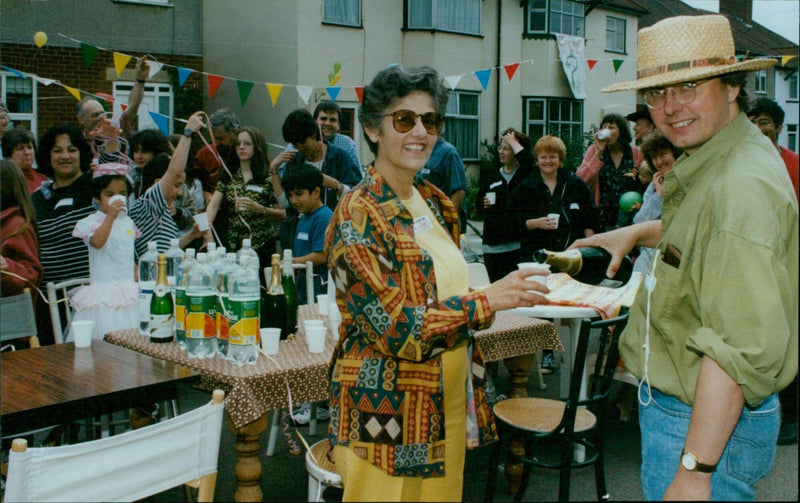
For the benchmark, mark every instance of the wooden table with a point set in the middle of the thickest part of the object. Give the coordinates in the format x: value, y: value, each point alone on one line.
x: 59, y: 384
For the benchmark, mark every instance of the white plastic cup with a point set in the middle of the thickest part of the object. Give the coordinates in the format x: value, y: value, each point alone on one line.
x: 554, y: 216
x: 118, y: 197
x: 334, y: 320
x: 492, y: 197
x: 308, y: 324
x: 202, y: 221
x: 315, y: 337
x: 536, y: 266
x: 270, y: 340
x: 322, y: 304
x: 603, y: 134
x: 82, y: 333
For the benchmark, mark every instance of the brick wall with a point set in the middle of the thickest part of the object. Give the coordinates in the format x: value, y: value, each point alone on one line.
x: 55, y: 104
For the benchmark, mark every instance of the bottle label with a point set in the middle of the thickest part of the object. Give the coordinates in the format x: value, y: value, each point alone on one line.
x: 180, y: 309
x: 244, y: 322
x: 200, y: 321
x: 223, y: 307
x: 161, y: 326
x: 161, y: 290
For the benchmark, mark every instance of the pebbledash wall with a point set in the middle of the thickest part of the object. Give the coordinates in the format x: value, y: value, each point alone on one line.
x: 55, y: 105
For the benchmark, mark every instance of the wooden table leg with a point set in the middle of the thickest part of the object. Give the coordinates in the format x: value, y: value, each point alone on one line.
x: 248, y: 466
x: 518, y: 369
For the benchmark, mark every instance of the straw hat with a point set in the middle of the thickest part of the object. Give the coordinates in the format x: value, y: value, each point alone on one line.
x: 685, y: 48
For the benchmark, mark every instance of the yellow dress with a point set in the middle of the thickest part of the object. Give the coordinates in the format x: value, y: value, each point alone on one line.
x: 368, y: 483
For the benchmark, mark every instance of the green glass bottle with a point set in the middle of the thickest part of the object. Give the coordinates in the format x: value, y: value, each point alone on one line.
x: 162, y: 311
x: 290, y: 292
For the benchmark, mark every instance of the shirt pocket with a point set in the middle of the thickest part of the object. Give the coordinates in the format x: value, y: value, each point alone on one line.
x: 665, y: 293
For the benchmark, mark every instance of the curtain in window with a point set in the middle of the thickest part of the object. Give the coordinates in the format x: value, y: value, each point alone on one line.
x: 342, y: 12
x: 463, y: 16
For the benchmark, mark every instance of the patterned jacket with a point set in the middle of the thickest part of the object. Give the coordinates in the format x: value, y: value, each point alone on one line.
x: 386, y: 391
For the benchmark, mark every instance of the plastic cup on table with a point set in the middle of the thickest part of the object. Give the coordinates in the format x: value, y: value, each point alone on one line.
x: 82, y: 332
x: 315, y: 338
x: 270, y: 340
x: 322, y: 304
x: 535, y: 266
x: 308, y: 324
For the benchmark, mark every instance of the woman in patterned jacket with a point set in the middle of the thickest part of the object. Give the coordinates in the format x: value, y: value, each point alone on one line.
x: 407, y: 381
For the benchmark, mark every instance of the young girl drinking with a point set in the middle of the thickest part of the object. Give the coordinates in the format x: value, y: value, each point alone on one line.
x: 111, y: 299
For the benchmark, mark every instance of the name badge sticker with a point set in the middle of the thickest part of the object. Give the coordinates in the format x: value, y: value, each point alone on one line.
x: 302, y: 236
x: 495, y: 184
x: 67, y: 201
x: 255, y: 188
x: 422, y: 224
x: 574, y: 206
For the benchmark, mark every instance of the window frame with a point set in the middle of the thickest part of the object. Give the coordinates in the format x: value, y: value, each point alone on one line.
x: 610, y: 31
x: 156, y: 90
x: 472, y: 144
x: 433, y: 27
x: 794, y: 88
x: 530, y: 7
x: 154, y: 3
x: 549, y: 126
x: 356, y: 24
x: 760, y: 81
x: 791, y: 136
x: 16, y: 117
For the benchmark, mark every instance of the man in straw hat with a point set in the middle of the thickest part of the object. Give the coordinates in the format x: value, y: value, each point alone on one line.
x: 713, y: 331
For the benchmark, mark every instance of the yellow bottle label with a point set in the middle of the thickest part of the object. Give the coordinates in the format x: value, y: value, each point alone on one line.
x: 244, y: 322
x: 201, y: 321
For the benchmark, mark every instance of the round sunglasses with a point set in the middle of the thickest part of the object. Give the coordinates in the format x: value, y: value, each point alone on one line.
x: 404, y: 121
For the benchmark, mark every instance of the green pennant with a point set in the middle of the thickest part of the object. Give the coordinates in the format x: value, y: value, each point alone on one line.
x: 89, y: 52
x: 102, y: 102
x: 244, y: 90
x: 617, y: 64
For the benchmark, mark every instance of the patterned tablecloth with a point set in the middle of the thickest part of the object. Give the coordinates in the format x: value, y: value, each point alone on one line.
x: 254, y: 390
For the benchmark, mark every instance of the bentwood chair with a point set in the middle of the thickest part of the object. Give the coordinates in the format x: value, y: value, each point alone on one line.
x: 321, y: 471
x: 126, y: 467
x: 552, y: 429
x: 58, y: 293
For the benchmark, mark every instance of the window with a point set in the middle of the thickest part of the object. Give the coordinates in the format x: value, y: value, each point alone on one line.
x: 761, y: 82
x: 555, y: 16
x: 344, y: 12
x: 153, y: 2
x: 615, y: 34
x: 791, y: 130
x: 157, y: 98
x: 556, y: 116
x: 793, y: 90
x: 461, y: 123
x: 19, y: 96
x: 460, y: 16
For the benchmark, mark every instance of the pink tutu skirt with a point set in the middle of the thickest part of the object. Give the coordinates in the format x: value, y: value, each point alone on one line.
x: 112, y: 306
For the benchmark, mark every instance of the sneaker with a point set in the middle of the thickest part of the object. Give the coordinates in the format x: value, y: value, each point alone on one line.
x: 302, y: 414
x: 548, y: 363
x: 323, y: 414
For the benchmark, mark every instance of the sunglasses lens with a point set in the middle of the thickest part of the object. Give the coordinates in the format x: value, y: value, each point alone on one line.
x: 404, y: 121
x: 431, y: 122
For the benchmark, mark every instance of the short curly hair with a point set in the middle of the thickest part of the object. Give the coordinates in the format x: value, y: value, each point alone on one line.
x: 655, y: 142
x: 49, y: 140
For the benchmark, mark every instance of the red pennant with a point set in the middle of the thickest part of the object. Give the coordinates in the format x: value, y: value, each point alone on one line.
x: 124, y: 107
x: 511, y: 70
x: 591, y: 63
x: 213, y: 84
x: 360, y: 93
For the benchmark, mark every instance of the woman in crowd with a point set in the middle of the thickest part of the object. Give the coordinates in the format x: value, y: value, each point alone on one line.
x: 19, y: 249
x: 20, y: 147
x: 244, y: 205
x: 501, y: 245
x: 604, y: 167
x: 403, y: 293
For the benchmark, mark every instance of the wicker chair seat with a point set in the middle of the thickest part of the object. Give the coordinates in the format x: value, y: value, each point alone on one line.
x: 540, y: 414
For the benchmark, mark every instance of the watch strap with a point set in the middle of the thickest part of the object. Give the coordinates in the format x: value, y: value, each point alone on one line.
x: 188, y: 133
x: 698, y: 467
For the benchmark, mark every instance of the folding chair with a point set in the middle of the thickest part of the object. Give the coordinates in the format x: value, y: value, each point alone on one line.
x: 17, y: 319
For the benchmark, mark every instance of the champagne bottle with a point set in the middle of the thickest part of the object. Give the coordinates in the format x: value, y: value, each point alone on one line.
x: 290, y: 292
x: 587, y: 265
x: 162, y: 319
x: 273, y: 302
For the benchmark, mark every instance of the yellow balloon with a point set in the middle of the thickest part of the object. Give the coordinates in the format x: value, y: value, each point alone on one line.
x: 40, y: 38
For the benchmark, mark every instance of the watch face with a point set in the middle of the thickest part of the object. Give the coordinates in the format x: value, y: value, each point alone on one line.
x: 688, y: 461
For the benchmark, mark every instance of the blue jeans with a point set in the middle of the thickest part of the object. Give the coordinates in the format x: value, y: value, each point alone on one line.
x: 747, y: 458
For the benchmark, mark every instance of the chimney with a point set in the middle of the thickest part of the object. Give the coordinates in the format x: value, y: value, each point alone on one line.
x: 741, y: 8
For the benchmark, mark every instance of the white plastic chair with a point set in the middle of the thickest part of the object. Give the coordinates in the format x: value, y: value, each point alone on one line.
x: 126, y: 467
x: 321, y: 471
x: 56, y: 292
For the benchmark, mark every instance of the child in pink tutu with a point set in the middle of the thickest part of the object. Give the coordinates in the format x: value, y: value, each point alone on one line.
x: 111, y: 299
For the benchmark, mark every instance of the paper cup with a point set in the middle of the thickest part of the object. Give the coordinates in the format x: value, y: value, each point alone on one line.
x: 315, y: 337
x: 492, y: 197
x: 308, y: 324
x: 118, y: 197
x: 270, y: 340
x: 202, y: 221
x: 82, y: 333
x: 555, y: 216
x: 322, y: 305
x: 537, y: 267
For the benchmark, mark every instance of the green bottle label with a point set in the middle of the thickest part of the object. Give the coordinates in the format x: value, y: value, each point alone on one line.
x: 244, y: 322
x: 201, y: 320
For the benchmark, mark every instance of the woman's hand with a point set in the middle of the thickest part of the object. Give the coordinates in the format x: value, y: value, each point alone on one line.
x: 658, y: 182
x: 512, y: 141
x: 282, y: 158
x: 545, y: 223
x: 515, y: 291
x: 246, y: 204
x: 195, y: 122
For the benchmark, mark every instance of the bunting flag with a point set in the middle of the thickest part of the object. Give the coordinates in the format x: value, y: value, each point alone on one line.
x: 89, y: 52
x: 571, y: 53
x: 120, y: 62
x: 786, y: 59
x: 305, y: 93
x: 591, y: 63
x: 244, y: 87
x: 617, y: 64
x: 162, y: 122
x: 15, y: 72
x: 124, y: 107
x: 511, y: 70
x: 155, y: 67
x: 359, y: 93
x: 274, y: 91
x: 333, y: 92
x: 483, y: 77
x: 74, y: 92
x: 183, y: 74
x: 213, y: 83
x: 452, y: 80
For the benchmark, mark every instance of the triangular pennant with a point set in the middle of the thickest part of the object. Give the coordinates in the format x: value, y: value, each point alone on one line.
x: 74, y: 92
x: 274, y: 91
x: 786, y: 59
x: 511, y: 70
x: 89, y: 52
x: 15, y: 72
x: 162, y: 122
x: 102, y: 102
x: 155, y: 67
x: 591, y: 63
x: 359, y: 93
x: 617, y: 64
x: 120, y: 62
x: 483, y: 77
x: 183, y: 74
x: 213, y: 84
x: 124, y: 107
x: 305, y: 93
x: 44, y: 81
x: 244, y: 90
x: 452, y: 80
x: 333, y: 92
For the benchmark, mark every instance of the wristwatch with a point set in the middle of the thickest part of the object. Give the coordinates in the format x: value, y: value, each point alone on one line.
x: 690, y: 462
x: 188, y: 133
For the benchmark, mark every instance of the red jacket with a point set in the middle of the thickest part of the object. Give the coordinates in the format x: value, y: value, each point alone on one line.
x: 790, y: 159
x: 21, y: 253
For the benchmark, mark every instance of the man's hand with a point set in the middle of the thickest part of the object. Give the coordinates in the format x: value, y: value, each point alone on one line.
x: 105, y: 129
x: 617, y: 242
x: 142, y: 69
x: 689, y: 486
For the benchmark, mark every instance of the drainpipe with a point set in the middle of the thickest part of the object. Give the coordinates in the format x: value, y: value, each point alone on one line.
x: 497, y: 64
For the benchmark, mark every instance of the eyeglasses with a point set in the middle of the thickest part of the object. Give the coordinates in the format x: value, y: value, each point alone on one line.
x: 404, y: 121
x: 684, y: 94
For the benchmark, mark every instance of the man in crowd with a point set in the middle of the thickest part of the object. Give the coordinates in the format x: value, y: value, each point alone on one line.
x: 713, y: 330
x: 445, y: 169
x: 205, y: 165
x: 768, y: 116
x: 642, y: 124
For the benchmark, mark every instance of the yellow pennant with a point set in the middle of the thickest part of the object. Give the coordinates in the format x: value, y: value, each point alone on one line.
x: 786, y: 59
x: 73, y: 92
x: 120, y: 62
x: 274, y: 91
